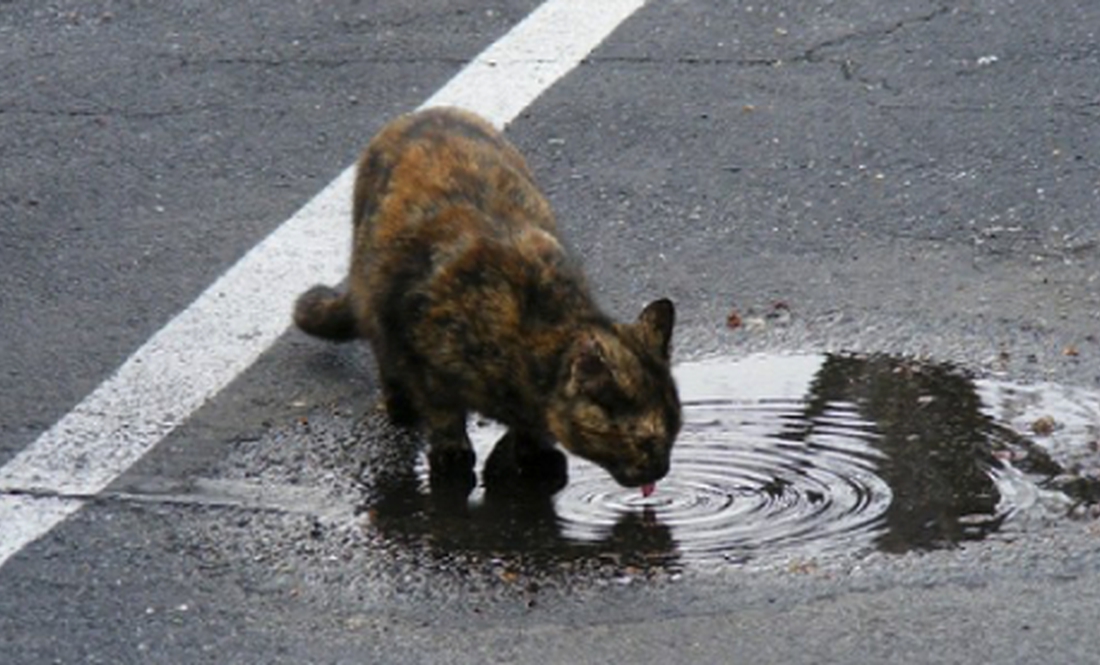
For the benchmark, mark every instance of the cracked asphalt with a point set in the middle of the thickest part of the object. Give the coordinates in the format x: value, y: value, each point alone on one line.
x: 916, y: 179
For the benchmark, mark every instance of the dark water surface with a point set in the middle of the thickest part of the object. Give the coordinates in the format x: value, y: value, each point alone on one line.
x: 794, y: 456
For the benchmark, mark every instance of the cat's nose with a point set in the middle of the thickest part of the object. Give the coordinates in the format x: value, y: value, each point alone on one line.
x: 651, y: 471
x: 658, y: 468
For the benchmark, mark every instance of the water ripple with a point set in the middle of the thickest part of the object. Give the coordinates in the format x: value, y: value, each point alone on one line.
x: 744, y: 487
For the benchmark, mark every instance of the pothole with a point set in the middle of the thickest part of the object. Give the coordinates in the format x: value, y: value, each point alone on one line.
x: 793, y: 456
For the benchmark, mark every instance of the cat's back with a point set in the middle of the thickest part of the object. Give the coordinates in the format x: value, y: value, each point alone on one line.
x: 444, y: 165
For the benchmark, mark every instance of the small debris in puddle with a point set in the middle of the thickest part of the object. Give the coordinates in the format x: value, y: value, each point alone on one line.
x: 1044, y: 426
x: 777, y: 313
x: 733, y: 321
x: 780, y: 313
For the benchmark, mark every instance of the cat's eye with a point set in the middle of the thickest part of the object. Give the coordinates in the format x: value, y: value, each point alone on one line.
x: 609, y: 398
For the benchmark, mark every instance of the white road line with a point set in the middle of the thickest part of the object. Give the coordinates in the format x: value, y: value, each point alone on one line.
x: 241, y: 315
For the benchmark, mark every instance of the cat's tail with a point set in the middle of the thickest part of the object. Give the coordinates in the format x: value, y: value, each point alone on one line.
x: 325, y: 312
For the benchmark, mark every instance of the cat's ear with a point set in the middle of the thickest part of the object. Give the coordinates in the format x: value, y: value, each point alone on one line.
x: 588, y: 368
x: 655, y: 323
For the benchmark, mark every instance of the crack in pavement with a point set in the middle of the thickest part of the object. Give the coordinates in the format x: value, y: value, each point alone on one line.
x: 214, y: 492
x: 128, y: 114
x: 811, y: 54
x: 325, y: 63
x: 814, y: 54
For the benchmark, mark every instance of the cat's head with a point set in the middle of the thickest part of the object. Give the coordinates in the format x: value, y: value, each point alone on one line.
x: 616, y: 404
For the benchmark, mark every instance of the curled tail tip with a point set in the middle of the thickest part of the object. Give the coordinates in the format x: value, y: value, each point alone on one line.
x: 324, y: 312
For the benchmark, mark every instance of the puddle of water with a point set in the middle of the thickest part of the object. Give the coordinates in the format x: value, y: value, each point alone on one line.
x: 789, y: 456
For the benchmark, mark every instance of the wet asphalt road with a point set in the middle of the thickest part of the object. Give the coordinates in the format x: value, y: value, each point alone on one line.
x: 916, y: 179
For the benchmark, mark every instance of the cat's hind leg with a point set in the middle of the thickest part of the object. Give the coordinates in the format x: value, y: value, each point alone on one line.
x: 398, y: 403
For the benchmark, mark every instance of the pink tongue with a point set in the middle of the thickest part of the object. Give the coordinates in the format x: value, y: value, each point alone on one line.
x: 648, y: 488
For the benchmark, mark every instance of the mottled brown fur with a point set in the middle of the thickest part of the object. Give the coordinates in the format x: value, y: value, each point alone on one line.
x: 460, y: 284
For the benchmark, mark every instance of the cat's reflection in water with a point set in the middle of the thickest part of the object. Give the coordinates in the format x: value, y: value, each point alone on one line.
x: 513, y: 516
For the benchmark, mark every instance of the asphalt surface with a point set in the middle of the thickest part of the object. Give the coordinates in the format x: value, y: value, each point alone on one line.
x: 917, y: 179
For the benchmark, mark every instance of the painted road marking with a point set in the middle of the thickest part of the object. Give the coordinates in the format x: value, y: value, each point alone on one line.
x: 241, y: 315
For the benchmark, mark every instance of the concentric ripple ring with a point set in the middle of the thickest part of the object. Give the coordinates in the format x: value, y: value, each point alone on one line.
x: 733, y: 489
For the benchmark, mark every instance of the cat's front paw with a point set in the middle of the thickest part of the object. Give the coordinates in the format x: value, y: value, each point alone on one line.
x: 451, y: 470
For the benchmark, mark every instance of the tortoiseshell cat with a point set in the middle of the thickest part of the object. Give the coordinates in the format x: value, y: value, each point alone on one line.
x: 470, y: 303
